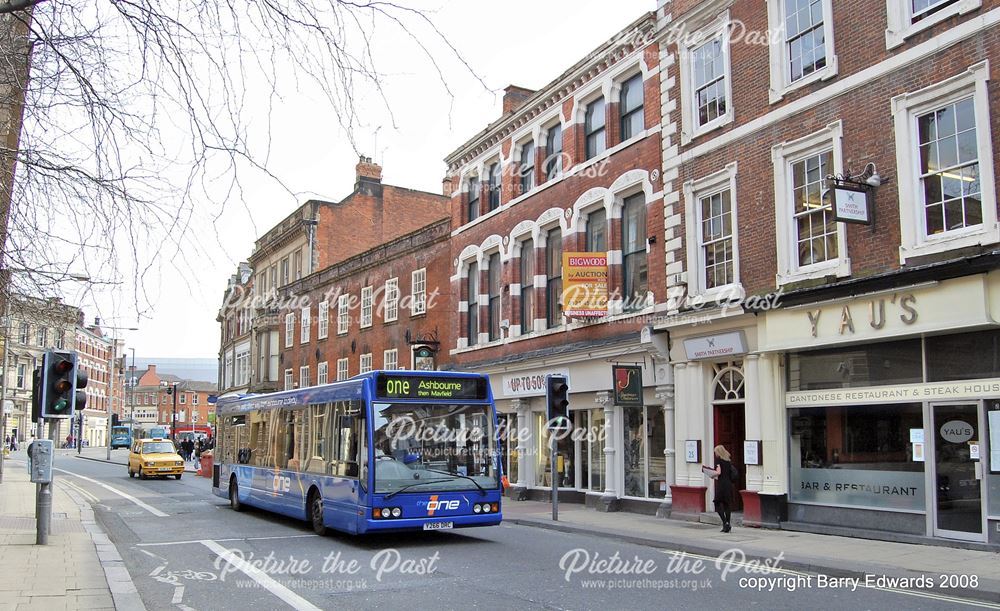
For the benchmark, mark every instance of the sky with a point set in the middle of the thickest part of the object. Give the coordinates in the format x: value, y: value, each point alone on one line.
x: 523, y: 42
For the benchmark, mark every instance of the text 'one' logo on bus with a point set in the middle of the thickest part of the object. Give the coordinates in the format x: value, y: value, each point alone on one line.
x: 281, y: 484
x: 434, y: 504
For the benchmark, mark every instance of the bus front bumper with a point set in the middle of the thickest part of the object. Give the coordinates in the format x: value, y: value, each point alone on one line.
x: 437, y: 523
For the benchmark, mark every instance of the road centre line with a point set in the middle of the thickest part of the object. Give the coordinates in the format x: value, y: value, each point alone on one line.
x: 153, y: 510
x: 262, y: 578
x: 755, y: 566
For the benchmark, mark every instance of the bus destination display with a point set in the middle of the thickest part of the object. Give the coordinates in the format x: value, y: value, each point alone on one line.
x: 389, y: 386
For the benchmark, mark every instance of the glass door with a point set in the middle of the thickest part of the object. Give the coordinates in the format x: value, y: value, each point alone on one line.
x: 958, y: 473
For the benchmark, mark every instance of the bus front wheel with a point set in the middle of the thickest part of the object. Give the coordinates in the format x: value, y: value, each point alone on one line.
x: 234, y: 496
x: 316, y: 513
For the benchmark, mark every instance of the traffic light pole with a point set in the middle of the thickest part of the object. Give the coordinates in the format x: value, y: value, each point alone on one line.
x: 43, y: 499
x: 555, y: 476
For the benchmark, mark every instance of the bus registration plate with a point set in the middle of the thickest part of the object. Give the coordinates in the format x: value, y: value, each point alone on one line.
x: 439, y: 525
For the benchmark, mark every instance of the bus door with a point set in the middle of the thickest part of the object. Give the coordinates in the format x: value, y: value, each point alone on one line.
x: 344, y: 492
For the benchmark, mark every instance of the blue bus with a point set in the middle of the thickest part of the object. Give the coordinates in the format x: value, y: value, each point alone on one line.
x: 383, y: 451
x: 121, y: 437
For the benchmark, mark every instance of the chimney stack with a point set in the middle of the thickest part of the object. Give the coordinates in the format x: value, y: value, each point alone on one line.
x: 514, y: 97
x: 367, y: 171
x: 447, y: 188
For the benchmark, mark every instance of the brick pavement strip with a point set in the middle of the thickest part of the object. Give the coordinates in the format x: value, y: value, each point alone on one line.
x: 69, y: 572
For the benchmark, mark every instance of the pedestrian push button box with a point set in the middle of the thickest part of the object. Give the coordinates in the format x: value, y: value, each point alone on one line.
x: 40, y: 461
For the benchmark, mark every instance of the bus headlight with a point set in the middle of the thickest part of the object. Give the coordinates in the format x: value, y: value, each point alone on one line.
x: 386, y: 512
x: 477, y: 508
x: 396, y: 512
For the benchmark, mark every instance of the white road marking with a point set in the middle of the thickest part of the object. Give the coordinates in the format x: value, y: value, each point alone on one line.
x: 178, y: 595
x: 153, y: 510
x: 85, y: 493
x: 752, y: 566
x: 262, y: 578
x: 224, y: 540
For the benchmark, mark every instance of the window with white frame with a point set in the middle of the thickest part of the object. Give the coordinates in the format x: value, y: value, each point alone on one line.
x: 706, y: 79
x: 632, y: 120
x: 472, y: 304
x: 810, y: 243
x: 303, y: 376
x: 343, y: 314
x: 527, y: 272
x: 227, y: 379
x: 366, y: 307
x: 194, y: 399
x: 595, y: 135
x: 947, y: 196
x: 804, y: 51
x: 342, y: 365
x: 289, y: 330
x: 22, y: 375
x: 322, y: 373
x: 289, y: 379
x: 183, y: 398
x: 242, y: 364
x: 526, y: 169
x: 390, y: 359
x: 494, y: 185
x: 391, y: 297
x: 714, y: 246
x: 366, y: 362
x: 323, y: 316
x: 418, y: 292
x: 306, y: 324
x: 553, y: 163
x: 475, y: 190
x: 907, y: 17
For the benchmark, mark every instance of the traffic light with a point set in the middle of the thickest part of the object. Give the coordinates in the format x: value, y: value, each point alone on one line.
x: 557, y: 399
x: 60, y: 383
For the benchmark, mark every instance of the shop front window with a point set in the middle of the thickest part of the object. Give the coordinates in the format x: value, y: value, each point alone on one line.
x: 963, y: 356
x: 878, y: 364
x: 596, y: 438
x: 859, y: 455
x: 644, y: 442
x: 565, y: 467
x: 508, y: 445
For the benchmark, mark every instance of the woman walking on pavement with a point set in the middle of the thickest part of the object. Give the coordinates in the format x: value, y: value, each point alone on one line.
x: 724, y: 479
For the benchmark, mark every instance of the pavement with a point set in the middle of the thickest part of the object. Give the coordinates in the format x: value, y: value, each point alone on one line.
x: 799, y: 551
x: 79, y: 568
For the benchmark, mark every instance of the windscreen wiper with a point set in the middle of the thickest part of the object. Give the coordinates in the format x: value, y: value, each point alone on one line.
x: 428, y: 481
x: 481, y: 489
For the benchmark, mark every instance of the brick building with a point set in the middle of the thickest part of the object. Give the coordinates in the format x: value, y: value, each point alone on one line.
x: 95, y: 357
x: 863, y: 401
x: 317, y: 236
x: 572, y: 167
x: 386, y: 308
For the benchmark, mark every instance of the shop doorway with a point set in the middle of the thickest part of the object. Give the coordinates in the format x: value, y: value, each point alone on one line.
x: 958, y: 474
x: 729, y: 421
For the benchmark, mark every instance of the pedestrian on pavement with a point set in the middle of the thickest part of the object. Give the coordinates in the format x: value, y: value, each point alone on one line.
x: 725, y: 477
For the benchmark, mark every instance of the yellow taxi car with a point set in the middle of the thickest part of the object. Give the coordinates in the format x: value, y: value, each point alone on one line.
x: 154, y: 457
